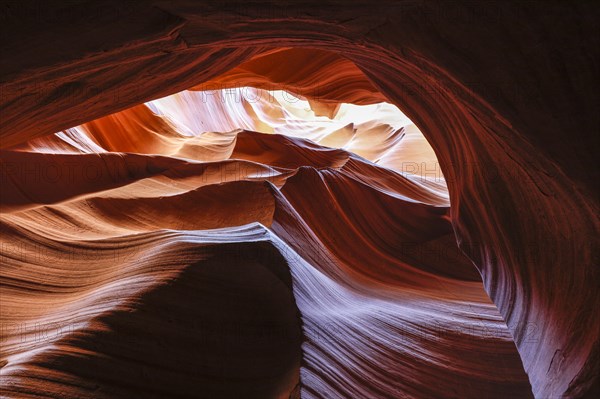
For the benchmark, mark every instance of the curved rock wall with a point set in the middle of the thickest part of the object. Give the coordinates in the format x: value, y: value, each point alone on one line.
x: 505, y: 93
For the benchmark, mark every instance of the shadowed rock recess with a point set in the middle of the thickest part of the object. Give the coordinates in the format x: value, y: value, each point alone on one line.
x: 333, y: 199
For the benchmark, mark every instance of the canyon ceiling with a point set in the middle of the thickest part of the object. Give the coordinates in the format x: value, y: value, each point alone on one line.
x: 372, y: 283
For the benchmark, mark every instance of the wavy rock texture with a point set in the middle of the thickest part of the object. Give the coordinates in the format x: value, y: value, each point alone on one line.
x: 506, y: 95
x: 174, y: 280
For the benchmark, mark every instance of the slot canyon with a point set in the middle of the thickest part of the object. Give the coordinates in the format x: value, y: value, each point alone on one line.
x: 333, y: 199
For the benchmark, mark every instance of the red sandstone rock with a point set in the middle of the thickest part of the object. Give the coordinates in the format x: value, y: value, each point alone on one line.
x: 507, y: 96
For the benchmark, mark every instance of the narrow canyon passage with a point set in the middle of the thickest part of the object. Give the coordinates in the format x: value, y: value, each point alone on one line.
x: 347, y: 201
x: 222, y: 203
